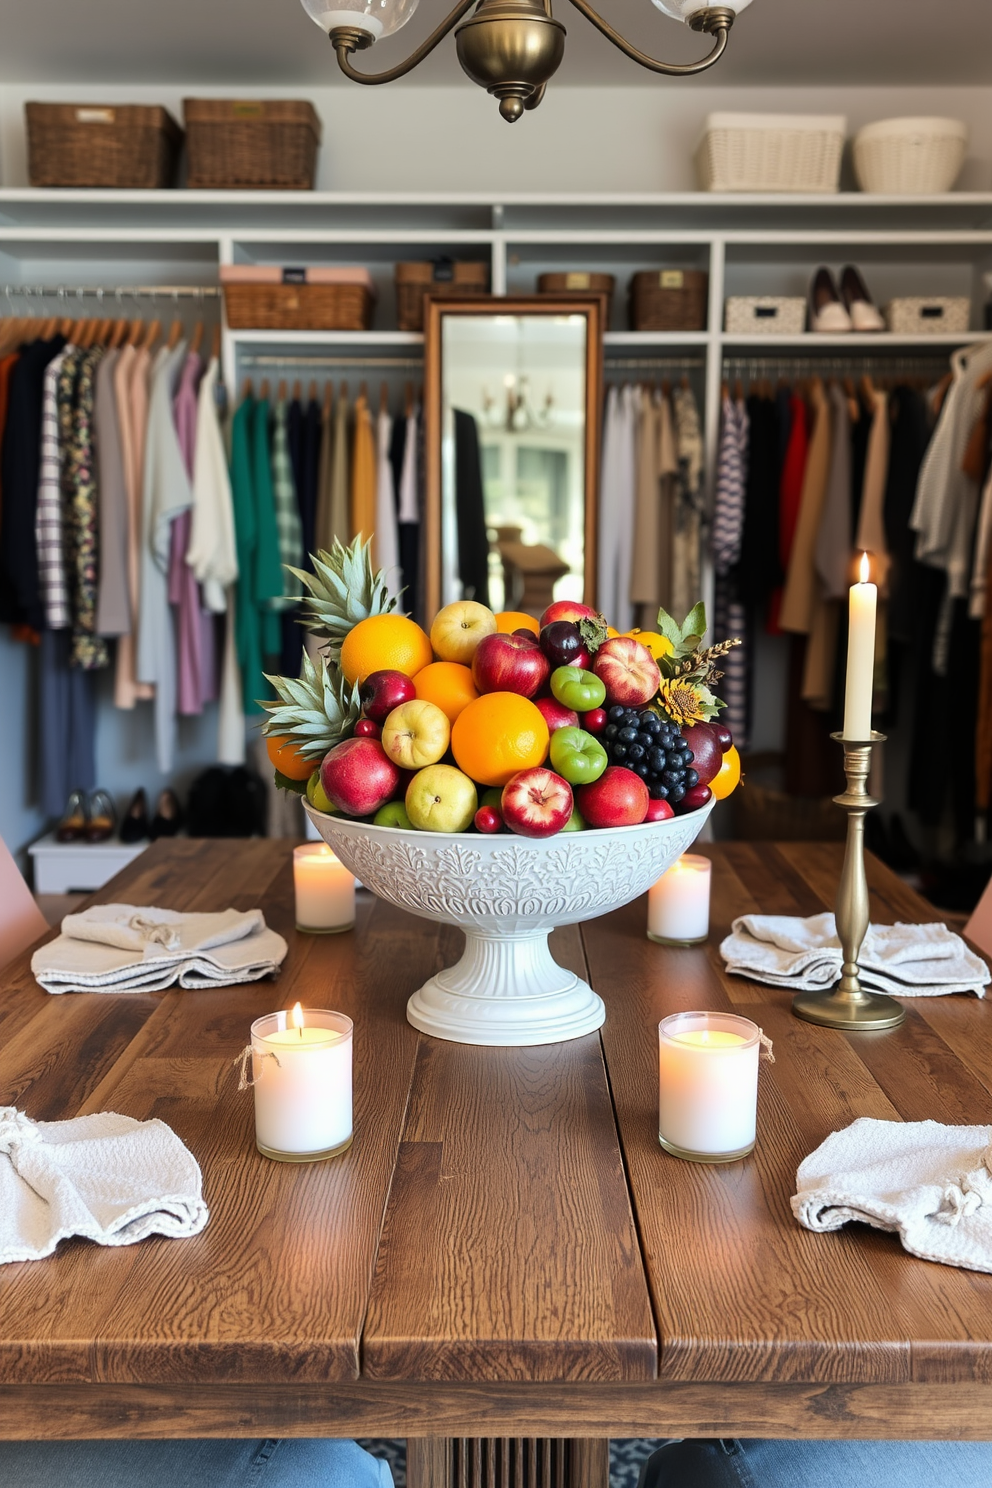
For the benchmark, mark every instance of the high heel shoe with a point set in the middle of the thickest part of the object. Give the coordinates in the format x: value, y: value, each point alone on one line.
x: 134, y: 827
x: 858, y: 302
x: 168, y: 816
x: 103, y: 817
x: 75, y: 819
x: 826, y: 311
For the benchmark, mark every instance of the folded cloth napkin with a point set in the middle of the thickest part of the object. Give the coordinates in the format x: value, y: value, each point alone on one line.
x: 106, y: 1177
x: 121, y: 948
x: 931, y: 1183
x: 907, y: 960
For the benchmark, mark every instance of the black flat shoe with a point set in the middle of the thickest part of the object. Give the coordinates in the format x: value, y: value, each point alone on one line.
x: 168, y: 816
x: 103, y: 817
x: 75, y: 819
x: 134, y: 827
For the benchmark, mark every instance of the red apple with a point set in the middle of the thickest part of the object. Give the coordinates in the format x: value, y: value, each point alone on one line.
x: 567, y: 609
x: 510, y: 663
x: 723, y: 735
x: 695, y: 796
x: 381, y: 692
x: 358, y: 776
x: 488, y: 819
x: 556, y: 715
x: 537, y: 803
x: 619, y: 798
x: 367, y: 728
x: 659, y: 811
x: 628, y: 671
x: 594, y: 721
x: 707, y: 755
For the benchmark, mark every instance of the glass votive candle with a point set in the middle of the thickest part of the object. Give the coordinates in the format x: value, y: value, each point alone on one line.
x: 679, y: 903
x: 325, y: 891
x: 301, y: 1075
x: 708, y: 1085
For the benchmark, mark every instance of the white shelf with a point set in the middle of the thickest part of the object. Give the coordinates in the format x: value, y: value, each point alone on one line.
x: 357, y: 339
x: 638, y: 339
x: 876, y: 341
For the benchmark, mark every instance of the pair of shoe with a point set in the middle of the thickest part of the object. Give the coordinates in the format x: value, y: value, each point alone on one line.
x: 166, y: 822
x: 89, y: 816
x: 833, y: 311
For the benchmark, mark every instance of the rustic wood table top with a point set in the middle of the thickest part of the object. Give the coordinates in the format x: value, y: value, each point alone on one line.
x: 505, y: 1249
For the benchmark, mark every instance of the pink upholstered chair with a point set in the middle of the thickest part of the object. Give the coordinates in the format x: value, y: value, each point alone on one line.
x: 21, y: 921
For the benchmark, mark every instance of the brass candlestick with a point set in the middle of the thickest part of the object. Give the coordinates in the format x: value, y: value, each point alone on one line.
x: 848, y: 1005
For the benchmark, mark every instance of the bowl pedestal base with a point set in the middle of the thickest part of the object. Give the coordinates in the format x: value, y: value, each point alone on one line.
x: 507, y: 990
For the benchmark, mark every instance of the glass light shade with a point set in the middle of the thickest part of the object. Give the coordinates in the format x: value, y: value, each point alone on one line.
x: 377, y: 17
x: 684, y: 10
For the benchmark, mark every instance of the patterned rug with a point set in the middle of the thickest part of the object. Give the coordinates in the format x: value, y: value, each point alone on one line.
x: 627, y: 1457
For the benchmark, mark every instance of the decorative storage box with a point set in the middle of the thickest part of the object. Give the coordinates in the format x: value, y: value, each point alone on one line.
x: 231, y: 144
x: 910, y: 157
x: 765, y: 315
x: 121, y: 145
x: 315, y: 299
x: 943, y: 315
x: 438, y: 276
x: 579, y: 282
x: 771, y: 152
x: 668, y: 300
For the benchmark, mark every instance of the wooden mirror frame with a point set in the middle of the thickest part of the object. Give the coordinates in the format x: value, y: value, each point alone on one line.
x: 593, y: 307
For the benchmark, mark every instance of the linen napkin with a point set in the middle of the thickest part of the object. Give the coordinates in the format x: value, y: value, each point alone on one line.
x: 121, y: 948
x: 930, y: 1183
x: 905, y: 960
x: 105, y: 1177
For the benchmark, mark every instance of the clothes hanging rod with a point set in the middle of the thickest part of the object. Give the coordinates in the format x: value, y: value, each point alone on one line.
x: 645, y: 364
x: 260, y: 359
x: 119, y: 292
x: 806, y: 365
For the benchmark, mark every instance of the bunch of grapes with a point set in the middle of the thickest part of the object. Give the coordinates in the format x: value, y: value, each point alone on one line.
x: 653, y: 749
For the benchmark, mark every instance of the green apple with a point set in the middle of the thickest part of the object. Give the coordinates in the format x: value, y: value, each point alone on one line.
x: 577, y: 756
x: 393, y: 814
x: 318, y: 797
x: 575, y: 822
x: 441, y: 799
x: 492, y: 797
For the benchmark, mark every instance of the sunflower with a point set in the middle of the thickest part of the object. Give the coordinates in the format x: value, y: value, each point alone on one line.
x: 685, y: 701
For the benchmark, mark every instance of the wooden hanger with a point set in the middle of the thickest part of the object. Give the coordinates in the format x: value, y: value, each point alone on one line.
x: 344, y: 392
x: 136, y: 332
x: 383, y: 397
x: 738, y: 390
x: 263, y: 391
x: 153, y: 333
x: 175, y: 332
x: 246, y: 391
x: 408, y: 400
x: 296, y: 391
x: 281, y: 392
x: 196, y: 338
x: 215, y: 343
x: 312, y: 394
x: 328, y: 400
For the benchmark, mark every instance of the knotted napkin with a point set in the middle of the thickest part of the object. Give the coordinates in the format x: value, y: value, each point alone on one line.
x: 121, y: 948
x: 105, y: 1177
x: 904, y: 960
x: 930, y: 1183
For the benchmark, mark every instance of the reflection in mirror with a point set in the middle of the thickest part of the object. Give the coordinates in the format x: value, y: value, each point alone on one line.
x: 516, y: 476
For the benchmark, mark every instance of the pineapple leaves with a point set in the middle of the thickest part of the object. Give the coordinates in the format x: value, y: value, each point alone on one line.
x: 341, y: 591
x: 317, y: 709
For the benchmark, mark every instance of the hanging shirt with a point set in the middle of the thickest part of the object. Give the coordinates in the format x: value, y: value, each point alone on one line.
x: 248, y: 620
x: 287, y: 510
x: 363, y: 473
x: 728, y: 506
x: 131, y: 388
x: 323, y: 525
x: 194, y: 630
x: 82, y: 522
x: 799, y: 598
x: 340, y: 474
x: 687, y: 527
x: 645, y: 579
x: 113, y: 606
x: 308, y: 478
x: 386, y: 550
x: 20, y: 459
x: 48, y: 529
x: 267, y: 582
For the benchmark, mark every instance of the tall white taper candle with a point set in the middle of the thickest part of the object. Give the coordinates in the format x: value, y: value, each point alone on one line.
x: 860, y: 657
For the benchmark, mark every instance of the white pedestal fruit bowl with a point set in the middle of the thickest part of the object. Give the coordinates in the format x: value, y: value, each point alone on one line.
x: 506, y: 893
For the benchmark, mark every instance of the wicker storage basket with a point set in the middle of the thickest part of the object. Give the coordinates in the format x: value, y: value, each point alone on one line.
x: 122, y: 145
x: 668, y: 300
x: 765, y: 315
x: 940, y: 316
x: 578, y: 282
x: 266, y: 146
x: 910, y: 157
x: 434, y: 277
x: 293, y: 304
x: 771, y: 152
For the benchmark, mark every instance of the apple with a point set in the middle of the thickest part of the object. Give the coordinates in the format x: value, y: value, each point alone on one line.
x: 381, y: 692
x: 695, y: 796
x: 724, y: 737
x: 492, y: 796
x: 367, y: 728
x: 595, y: 721
x: 393, y: 814
x: 316, y: 794
x: 489, y: 819
x: 556, y: 715
x: 707, y: 754
x: 659, y: 811
x: 575, y: 822
x: 510, y: 663
x: 567, y: 609
x: 619, y: 798
x: 628, y: 671
x: 458, y: 629
x: 358, y: 776
x: 416, y: 734
x: 537, y: 803
x: 563, y: 645
x: 441, y: 799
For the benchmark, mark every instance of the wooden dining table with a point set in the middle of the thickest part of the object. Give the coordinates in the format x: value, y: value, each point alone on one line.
x: 505, y: 1254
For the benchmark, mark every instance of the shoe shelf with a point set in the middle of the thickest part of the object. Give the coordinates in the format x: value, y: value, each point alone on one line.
x: 78, y: 867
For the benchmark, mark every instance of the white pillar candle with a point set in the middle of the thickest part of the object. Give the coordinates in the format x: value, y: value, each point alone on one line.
x: 301, y: 1072
x: 863, y: 599
x: 708, y: 1085
x: 325, y: 890
x: 679, y: 903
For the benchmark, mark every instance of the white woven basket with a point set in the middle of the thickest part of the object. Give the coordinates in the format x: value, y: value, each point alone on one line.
x: 910, y: 157
x: 941, y: 315
x: 765, y: 315
x: 771, y: 152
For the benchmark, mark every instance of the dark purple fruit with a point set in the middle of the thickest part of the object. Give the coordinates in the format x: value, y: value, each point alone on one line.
x: 723, y: 735
x: 695, y: 796
x: 561, y: 643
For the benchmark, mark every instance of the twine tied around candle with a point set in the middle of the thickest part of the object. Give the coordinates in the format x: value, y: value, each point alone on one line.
x: 242, y: 1061
x: 766, y: 1047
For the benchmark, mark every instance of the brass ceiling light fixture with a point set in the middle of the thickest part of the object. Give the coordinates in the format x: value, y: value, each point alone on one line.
x: 509, y: 47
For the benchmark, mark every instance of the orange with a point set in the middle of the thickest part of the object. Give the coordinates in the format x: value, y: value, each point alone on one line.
x: 385, y: 643
x: 729, y: 775
x: 658, y: 645
x: 448, y: 684
x: 286, y: 757
x: 611, y: 633
x: 497, y: 735
x: 507, y: 621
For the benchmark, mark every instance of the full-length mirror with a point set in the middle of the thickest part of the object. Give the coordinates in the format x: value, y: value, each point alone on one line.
x: 512, y: 428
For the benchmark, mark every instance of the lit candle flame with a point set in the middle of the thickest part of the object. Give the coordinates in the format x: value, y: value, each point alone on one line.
x: 865, y: 573
x: 297, y: 1016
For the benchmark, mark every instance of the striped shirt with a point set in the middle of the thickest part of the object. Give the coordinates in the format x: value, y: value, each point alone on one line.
x: 48, y: 523
x: 288, y: 524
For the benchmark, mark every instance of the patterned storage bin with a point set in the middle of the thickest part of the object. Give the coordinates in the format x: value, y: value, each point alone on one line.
x: 771, y: 152
x: 765, y: 315
x: 940, y: 316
